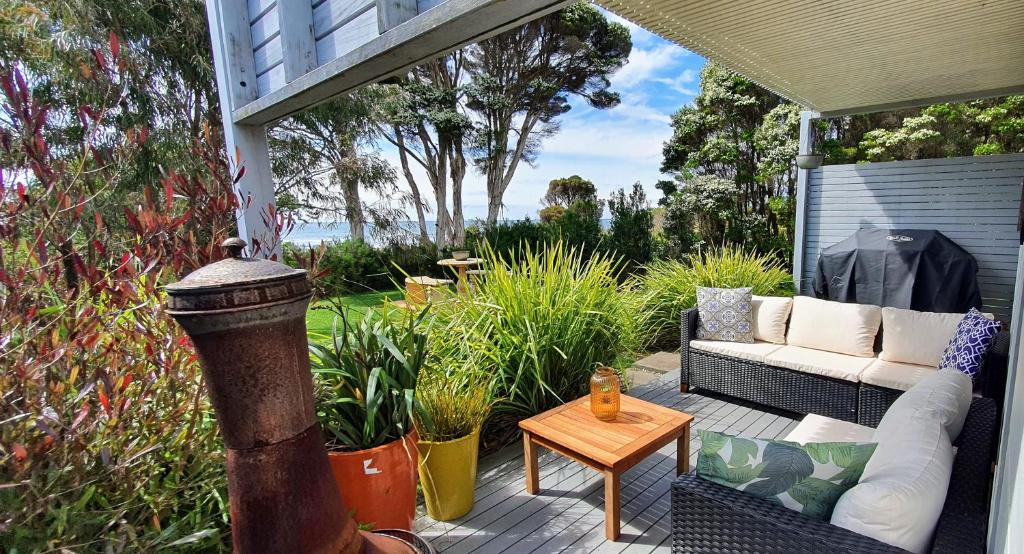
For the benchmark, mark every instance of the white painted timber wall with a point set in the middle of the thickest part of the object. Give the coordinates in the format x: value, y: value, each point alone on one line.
x: 339, y: 26
x: 972, y: 200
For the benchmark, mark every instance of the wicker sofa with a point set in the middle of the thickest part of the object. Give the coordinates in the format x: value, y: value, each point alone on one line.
x: 707, y: 517
x: 802, y: 392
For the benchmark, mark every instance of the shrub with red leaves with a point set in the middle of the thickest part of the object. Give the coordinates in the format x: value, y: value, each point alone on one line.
x: 107, y: 442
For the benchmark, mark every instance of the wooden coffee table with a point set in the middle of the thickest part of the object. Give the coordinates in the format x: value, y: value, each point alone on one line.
x: 611, y: 448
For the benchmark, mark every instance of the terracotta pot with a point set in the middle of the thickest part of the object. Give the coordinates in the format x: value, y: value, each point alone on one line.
x: 378, y: 485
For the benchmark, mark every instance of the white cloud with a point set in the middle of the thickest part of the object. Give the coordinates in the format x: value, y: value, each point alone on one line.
x: 645, y: 64
x: 682, y: 83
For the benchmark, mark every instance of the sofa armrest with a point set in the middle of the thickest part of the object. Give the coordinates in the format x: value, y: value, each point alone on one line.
x: 963, y: 524
x: 992, y: 380
x: 707, y: 517
x: 687, y: 332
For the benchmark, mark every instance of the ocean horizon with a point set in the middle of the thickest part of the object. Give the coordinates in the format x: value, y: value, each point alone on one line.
x: 315, y: 232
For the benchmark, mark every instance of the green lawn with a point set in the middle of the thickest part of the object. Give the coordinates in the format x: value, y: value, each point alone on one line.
x: 320, y: 318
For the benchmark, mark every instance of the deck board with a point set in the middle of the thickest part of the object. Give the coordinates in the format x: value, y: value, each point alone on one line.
x: 568, y: 514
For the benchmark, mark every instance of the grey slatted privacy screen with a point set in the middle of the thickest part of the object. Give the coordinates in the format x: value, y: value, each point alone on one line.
x: 972, y: 200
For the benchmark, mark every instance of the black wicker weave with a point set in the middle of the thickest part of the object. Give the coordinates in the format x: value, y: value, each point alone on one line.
x: 782, y: 388
x: 807, y: 393
x: 872, y: 403
x: 710, y: 518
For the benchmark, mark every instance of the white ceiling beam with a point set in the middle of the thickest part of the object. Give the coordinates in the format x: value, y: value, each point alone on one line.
x: 448, y: 26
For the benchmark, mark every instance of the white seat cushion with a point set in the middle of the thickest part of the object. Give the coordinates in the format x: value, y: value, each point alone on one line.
x: 895, y: 375
x: 752, y: 351
x: 819, y: 362
x: 834, y: 326
x: 900, y: 495
x: 944, y: 396
x: 818, y: 428
x: 770, y: 316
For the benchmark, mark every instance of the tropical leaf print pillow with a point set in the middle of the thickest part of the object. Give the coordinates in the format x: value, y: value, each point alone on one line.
x: 807, y: 478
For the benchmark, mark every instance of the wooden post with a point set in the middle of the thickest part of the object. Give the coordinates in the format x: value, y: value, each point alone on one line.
x: 530, y: 455
x: 806, y: 145
x: 612, y: 488
x: 683, y: 452
x: 246, y: 144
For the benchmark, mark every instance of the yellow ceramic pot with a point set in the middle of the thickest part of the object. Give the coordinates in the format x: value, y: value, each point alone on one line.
x: 448, y: 475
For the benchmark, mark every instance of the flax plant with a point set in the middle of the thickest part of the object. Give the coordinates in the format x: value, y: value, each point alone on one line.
x: 539, y: 326
x: 668, y: 287
x: 366, y: 379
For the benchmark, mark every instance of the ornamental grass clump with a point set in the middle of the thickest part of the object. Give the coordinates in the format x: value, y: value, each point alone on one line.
x: 450, y: 412
x: 668, y: 287
x: 539, y: 326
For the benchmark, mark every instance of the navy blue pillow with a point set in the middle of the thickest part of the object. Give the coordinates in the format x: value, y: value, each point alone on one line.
x: 966, y: 350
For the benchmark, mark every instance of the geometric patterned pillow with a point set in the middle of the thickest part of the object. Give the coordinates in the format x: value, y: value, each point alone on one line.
x: 973, y: 337
x: 807, y: 478
x: 725, y: 314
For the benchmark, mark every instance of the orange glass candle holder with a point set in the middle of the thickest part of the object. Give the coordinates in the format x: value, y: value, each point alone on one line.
x: 604, y: 394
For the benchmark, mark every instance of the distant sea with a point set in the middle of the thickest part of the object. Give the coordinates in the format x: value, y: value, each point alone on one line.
x: 313, y: 233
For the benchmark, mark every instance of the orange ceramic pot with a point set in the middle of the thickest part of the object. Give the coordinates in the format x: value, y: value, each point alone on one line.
x: 378, y: 485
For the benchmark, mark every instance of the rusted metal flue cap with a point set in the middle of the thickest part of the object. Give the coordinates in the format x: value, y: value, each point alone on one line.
x: 236, y: 283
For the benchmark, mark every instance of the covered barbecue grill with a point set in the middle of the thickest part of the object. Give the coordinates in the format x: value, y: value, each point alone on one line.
x: 904, y: 268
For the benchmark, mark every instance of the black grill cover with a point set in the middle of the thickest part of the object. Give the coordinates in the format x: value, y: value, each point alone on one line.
x: 904, y: 268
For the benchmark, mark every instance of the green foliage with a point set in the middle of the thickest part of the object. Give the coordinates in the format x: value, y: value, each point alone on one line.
x: 579, y: 227
x: 540, y: 326
x: 980, y: 127
x: 326, y: 158
x: 521, y: 80
x: 567, y: 191
x: 668, y: 287
x: 354, y: 267
x: 366, y: 379
x: 632, y: 222
x: 733, y: 154
x: 551, y: 213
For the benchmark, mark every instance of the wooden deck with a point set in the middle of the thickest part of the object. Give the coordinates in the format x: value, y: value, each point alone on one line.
x: 568, y: 514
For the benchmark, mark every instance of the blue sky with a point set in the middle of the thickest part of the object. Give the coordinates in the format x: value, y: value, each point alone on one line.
x: 613, y: 148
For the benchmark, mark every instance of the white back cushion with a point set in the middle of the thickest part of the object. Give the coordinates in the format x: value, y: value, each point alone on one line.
x: 770, y: 316
x: 944, y: 396
x: 834, y: 326
x: 914, y: 337
x: 900, y: 495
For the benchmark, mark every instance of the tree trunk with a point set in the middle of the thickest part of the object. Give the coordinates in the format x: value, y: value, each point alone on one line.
x: 444, y: 222
x: 458, y: 171
x: 414, y: 188
x: 354, y: 209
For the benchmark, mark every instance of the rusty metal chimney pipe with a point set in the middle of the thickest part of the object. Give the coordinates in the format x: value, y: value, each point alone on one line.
x: 246, y: 318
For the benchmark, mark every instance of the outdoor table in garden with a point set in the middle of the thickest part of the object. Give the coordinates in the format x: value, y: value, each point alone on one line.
x: 608, y: 447
x: 462, y: 267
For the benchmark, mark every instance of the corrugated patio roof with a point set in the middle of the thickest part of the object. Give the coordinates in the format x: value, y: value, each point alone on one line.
x: 849, y: 56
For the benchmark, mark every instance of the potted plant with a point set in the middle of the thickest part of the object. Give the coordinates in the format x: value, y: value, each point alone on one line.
x: 809, y: 161
x: 365, y: 389
x: 448, y: 424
